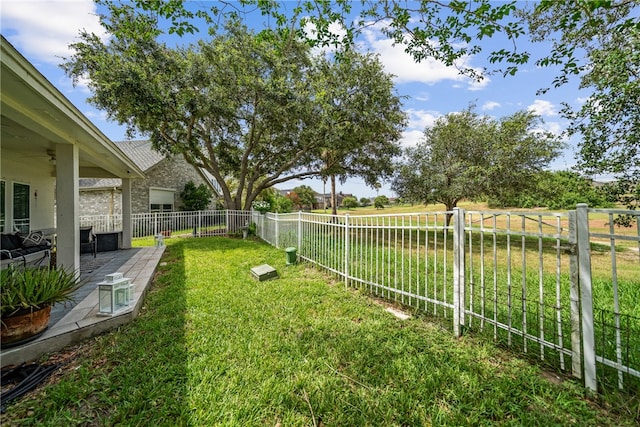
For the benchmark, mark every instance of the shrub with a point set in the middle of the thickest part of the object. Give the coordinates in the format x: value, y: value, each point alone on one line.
x: 195, y: 198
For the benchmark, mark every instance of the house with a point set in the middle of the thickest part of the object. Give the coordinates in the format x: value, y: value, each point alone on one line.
x: 48, y: 145
x: 159, y: 191
x: 322, y: 201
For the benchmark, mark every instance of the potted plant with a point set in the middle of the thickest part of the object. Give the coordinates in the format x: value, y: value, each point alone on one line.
x: 26, y: 297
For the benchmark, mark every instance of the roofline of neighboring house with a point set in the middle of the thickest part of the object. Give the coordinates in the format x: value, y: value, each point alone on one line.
x: 199, y: 170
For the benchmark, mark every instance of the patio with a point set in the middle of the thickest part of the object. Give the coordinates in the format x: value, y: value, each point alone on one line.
x: 71, y: 323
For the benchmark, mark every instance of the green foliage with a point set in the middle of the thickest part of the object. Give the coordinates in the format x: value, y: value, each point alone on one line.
x: 254, y: 108
x: 251, y: 230
x: 281, y: 204
x: 597, y: 43
x: 380, y: 202
x: 360, y: 118
x: 445, y: 31
x: 593, y: 41
x: 35, y: 288
x: 465, y: 156
x: 195, y: 198
x: 558, y: 190
x: 627, y: 192
x: 349, y: 202
x: 302, y: 197
x: 278, y: 203
x: 365, y: 201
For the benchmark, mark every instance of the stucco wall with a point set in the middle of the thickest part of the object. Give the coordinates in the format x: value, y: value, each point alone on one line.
x: 171, y: 173
x: 37, y: 172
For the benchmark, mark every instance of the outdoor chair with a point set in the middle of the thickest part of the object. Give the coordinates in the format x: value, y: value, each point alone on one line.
x: 88, y: 240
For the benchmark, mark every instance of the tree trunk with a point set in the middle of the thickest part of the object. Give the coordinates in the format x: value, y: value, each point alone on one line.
x: 324, y: 194
x: 449, y: 205
x: 334, y: 198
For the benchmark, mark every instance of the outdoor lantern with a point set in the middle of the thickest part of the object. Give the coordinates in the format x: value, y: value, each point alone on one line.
x: 115, y: 294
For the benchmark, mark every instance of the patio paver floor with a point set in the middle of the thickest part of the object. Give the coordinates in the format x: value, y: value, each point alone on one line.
x: 72, y: 322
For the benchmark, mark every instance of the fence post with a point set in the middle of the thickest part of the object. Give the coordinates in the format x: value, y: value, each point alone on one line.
x: 155, y: 223
x: 574, y: 298
x: 226, y: 221
x: 277, y: 230
x: 299, y: 232
x: 199, y: 223
x: 458, y: 271
x: 586, y: 293
x: 346, y: 250
x: 263, y: 232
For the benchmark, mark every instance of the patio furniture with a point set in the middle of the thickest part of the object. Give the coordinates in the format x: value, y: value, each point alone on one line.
x: 108, y: 240
x: 31, y: 248
x: 88, y: 240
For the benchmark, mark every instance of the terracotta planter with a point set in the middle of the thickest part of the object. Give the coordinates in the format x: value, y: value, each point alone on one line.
x: 24, y: 326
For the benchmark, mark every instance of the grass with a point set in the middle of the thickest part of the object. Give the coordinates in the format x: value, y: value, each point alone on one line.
x: 401, y: 266
x: 212, y: 346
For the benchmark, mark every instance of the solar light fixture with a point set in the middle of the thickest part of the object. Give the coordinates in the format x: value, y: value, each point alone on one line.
x: 115, y: 294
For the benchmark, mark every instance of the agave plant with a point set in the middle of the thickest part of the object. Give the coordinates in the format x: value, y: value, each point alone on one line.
x: 35, y: 288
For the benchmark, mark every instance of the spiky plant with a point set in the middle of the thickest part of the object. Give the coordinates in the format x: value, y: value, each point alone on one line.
x: 35, y: 288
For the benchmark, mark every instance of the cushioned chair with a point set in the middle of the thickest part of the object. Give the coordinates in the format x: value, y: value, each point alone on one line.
x: 88, y: 240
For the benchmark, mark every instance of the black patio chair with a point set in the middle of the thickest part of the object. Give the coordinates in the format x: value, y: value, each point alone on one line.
x: 88, y: 240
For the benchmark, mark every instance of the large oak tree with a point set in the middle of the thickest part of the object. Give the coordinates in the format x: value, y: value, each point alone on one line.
x: 246, y: 107
x: 465, y: 155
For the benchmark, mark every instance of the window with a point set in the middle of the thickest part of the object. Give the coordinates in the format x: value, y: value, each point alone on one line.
x: 161, y: 200
x: 155, y: 207
x: 21, y: 208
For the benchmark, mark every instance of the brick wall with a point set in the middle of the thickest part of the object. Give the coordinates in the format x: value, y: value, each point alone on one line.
x: 101, y: 202
x: 171, y: 173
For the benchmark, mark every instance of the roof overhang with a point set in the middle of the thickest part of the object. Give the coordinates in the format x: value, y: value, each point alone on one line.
x: 35, y: 117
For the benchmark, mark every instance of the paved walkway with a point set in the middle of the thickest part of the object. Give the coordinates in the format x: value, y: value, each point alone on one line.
x: 74, y: 322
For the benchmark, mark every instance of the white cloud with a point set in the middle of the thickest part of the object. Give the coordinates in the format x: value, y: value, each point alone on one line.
x: 335, y: 28
x: 420, y: 119
x: 555, y: 128
x: 411, y: 138
x: 490, y: 105
x: 96, y: 115
x: 543, y: 108
x: 43, y: 29
x: 402, y: 65
x: 422, y: 96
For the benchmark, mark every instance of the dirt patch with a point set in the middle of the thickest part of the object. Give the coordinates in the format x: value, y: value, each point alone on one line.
x: 553, y: 377
x: 394, y: 308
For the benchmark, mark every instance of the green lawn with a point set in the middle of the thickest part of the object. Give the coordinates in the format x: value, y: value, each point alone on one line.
x: 213, y: 346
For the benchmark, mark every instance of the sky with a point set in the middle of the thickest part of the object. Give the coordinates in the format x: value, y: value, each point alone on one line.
x: 41, y: 30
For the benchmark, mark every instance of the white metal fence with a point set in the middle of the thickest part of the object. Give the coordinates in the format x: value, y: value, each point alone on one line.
x: 198, y: 224
x: 522, y: 278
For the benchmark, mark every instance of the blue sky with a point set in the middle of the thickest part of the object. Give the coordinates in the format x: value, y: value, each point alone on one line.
x: 42, y: 30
